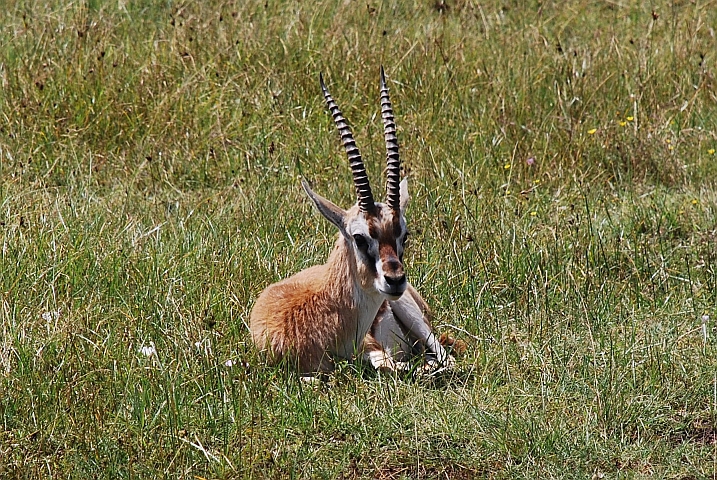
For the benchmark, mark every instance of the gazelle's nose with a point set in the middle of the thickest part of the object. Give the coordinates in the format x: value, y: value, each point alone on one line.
x: 395, y: 280
x: 392, y: 265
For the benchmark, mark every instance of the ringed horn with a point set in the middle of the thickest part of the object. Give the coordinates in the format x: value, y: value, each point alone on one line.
x: 393, y: 162
x: 363, y: 189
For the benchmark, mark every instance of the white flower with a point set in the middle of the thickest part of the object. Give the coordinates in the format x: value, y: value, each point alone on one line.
x: 148, y: 350
x: 203, y: 346
x: 229, y: 363
x: 50, y: 316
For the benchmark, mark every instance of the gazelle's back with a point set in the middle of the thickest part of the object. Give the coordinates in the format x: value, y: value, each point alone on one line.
x: 292, y: 318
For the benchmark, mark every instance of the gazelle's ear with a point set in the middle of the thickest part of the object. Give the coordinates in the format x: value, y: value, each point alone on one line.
x: 328, y: 209
x: 403, y: 189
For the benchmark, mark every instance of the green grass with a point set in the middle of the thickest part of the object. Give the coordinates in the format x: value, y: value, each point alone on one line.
x: 150, y: 156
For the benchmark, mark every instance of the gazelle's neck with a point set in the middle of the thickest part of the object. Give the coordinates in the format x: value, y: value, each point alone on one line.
x: 342, y: 272
x: 356, y: 298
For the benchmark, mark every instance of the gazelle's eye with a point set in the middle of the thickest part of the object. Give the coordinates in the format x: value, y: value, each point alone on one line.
x: 361, y: 242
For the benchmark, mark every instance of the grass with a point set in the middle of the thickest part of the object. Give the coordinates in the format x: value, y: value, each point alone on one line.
x: 150, y: 156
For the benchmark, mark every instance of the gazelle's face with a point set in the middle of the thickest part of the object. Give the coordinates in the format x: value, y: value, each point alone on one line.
x: 378, y: 241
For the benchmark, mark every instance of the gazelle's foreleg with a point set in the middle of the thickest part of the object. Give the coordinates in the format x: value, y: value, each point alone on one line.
x: 410, y: 311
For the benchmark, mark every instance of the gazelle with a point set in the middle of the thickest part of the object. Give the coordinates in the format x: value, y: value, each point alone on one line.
x: 359, y: 302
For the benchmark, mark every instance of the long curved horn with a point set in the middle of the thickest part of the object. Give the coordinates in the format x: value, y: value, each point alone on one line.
x: 393, y: 162
x: 363, y: 188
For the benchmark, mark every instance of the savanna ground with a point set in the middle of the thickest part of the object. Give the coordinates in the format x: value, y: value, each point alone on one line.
x: 562, y: 166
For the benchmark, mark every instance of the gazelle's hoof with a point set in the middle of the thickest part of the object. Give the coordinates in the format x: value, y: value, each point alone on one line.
x: 435, y: 367
x: 388, y: 366
x: 382, y: 362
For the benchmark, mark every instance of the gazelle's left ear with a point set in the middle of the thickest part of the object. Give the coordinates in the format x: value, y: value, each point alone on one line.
x: 403, y: 190
x: 328, y: 209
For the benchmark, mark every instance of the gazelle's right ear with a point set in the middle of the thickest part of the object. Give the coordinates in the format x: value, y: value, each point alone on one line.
x: 332, y: 212
x: 403, y: 189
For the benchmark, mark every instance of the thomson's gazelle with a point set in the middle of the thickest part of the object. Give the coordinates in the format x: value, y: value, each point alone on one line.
x: 358, y: 303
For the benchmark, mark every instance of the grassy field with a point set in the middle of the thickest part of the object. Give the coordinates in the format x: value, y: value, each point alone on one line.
x: 562, y: 166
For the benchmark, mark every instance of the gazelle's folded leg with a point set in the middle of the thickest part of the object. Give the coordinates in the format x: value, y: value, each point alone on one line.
x: 391, y: 335
x: 410, y: 311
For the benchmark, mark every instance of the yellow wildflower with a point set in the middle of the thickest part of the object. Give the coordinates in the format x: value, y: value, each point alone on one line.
x: 592, y: 131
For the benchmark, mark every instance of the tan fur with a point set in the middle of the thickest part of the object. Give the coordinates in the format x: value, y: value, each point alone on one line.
x: 303, y: 316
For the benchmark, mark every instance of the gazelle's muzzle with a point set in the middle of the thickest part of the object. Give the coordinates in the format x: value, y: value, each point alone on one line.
x: 394, y: 279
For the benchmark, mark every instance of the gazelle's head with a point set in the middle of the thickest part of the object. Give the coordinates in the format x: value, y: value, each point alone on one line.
x: 375, y: 232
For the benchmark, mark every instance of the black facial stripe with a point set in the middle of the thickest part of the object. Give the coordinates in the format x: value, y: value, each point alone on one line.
x: 361, y: 241
x: 402, y: 245
x: 363, y: 246
x: 370, y: 260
